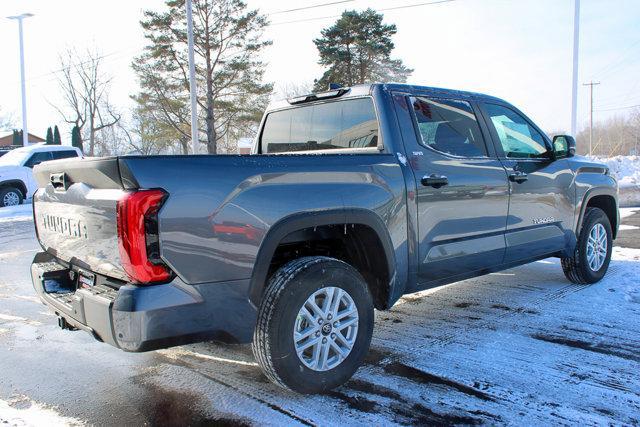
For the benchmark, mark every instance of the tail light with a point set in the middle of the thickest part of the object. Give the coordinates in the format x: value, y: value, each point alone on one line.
x: 138, y: 238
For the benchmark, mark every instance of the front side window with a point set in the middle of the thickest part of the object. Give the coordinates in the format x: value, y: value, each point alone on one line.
x: 339, y: 124
x: 37, y: 158
x: 448, y: 126
x: 517, y: 137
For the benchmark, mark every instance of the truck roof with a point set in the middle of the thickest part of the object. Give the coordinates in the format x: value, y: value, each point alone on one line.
x: 367, y: 89
x: 43, y: 147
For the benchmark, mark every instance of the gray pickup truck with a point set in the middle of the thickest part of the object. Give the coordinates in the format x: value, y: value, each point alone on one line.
x: 350, y: 199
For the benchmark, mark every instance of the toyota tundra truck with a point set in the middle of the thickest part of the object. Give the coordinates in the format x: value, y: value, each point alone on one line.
x: 350, y: 199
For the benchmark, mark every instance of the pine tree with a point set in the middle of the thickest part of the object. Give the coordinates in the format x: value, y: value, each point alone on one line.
x: 76, y: 138
x: 357, y: 49
x: 17, y: 137
x: 56, y: 136
x: 49, y: 138
x: 228, y: 43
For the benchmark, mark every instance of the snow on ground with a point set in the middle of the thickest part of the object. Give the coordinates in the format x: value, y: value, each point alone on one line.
x: 22, y: 411
x: 22, y: 212
x: 522, y: 346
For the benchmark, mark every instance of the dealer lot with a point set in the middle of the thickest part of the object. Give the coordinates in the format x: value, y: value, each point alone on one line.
x: 522, y: 346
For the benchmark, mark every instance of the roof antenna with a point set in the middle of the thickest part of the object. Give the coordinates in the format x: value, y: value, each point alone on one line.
x: 335, y: 86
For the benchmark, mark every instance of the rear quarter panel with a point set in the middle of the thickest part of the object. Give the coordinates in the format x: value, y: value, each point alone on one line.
x: 220, y: 208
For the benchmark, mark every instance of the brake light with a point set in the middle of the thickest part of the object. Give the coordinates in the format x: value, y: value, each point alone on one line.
x: 137, y: 219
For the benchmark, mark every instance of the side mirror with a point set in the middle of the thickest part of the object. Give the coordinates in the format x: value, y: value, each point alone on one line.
x: 564, y: 146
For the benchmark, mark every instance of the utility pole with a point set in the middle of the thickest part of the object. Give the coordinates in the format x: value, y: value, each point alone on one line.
x: 192, y: 81
x: 25, y: 133
x: 574, y: 87
x: 591, y: 84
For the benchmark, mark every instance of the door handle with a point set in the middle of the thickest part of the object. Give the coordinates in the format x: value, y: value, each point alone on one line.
x: 435, y: 181
x: 518, y: 176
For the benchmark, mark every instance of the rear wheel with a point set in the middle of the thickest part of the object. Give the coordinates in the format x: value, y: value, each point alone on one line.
x: 590, y: 260
x: 314, y: 324
x: 10, y: 197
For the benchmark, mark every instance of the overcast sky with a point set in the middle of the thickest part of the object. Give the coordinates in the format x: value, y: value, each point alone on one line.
x: 519, y: 50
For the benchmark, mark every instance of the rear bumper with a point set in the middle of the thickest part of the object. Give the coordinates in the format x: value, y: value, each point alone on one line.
x: 142, y: 318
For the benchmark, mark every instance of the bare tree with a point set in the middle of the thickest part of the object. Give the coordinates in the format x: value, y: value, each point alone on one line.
x: 85, y: 90
x: 6, y: 121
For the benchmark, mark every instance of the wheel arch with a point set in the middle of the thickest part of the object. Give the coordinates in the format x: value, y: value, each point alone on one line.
x: 15, y: 183
x: 291, y: 229
x: 605, y: 199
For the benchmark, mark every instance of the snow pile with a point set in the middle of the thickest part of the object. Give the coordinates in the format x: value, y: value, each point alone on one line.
x: 22, y: 411
x: 626, y: 169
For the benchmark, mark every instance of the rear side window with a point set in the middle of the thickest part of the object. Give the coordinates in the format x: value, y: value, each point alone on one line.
x: 449, y: 126
x: 340, y: 124
x: 63, y: 154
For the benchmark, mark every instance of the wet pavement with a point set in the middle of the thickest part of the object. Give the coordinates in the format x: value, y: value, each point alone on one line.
x: 523, y: 346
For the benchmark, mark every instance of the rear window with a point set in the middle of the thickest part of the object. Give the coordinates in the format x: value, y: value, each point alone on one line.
x: 339, y: 124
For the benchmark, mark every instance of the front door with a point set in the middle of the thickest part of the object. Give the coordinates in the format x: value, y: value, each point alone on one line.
x: 541, y: 204
x: 462, y: 191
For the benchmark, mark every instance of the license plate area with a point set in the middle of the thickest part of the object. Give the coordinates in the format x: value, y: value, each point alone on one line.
x: 86, y: 280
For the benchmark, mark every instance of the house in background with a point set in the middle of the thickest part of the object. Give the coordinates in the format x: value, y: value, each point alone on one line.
x: 245, y: 145
x: 7, y: 140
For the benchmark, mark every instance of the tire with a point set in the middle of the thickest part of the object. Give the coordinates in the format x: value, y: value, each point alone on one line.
x: 10, y: 196
x: 577, y: 268
x: 291, y: 288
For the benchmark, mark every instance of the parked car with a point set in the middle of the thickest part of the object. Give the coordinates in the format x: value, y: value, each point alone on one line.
x: 350, y: 199
x: 16, y: 175
x: 3, y: 152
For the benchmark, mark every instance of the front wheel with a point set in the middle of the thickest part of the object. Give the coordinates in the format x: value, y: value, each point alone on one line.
x: 314, y: 324
x: 10, y: 197
x: 591, y: 257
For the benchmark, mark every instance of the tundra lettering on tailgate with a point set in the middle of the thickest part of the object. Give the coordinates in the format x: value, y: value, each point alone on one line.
x: 66, y: 226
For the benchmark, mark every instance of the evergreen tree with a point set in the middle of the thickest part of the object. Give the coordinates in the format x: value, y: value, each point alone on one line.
x: 76, y: 138
x: 228, y: 43
x: 49, y: 138
x: 56, y: 136
x: 357, y: 49
x: 17, y: 137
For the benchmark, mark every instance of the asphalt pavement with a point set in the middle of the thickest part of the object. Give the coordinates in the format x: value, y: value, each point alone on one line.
x: 523, y: 346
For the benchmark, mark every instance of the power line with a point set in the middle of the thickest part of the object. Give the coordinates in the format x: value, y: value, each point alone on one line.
x: 619, y: 108
x: 620, y: 60
x: 77, y: 64
x: 313, y: 6
x: 430, y: 3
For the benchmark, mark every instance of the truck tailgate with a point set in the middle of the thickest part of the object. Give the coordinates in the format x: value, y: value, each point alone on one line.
x: 75, y: 213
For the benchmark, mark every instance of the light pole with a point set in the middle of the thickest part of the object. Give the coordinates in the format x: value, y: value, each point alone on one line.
x: 192, y: 81
x: 574, y: 86
x: 25, y: 133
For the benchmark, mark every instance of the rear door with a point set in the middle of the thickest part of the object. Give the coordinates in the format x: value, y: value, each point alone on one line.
x: 35, y: 159
x: 64, y: 154
x: 541, y: 201
x: 462, y: 190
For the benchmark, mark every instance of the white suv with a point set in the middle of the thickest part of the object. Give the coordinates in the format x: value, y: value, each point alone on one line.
x: 16, y: 174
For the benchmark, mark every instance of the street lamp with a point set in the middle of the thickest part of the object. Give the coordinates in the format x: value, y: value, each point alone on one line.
x: 25, y: 134
x: 192, y: 80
